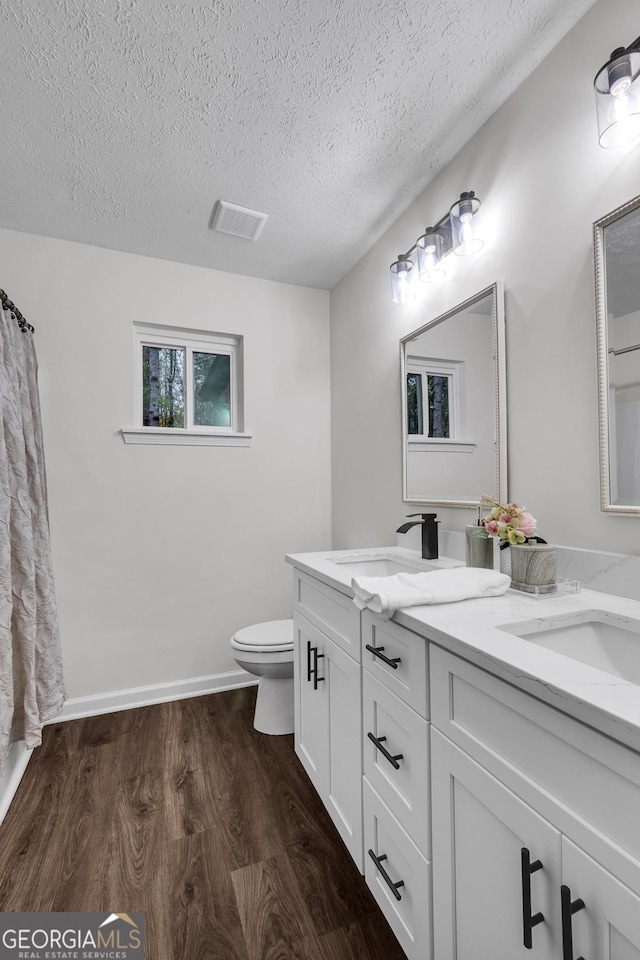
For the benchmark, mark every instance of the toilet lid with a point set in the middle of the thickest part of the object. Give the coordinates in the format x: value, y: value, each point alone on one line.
x: 274, y: 635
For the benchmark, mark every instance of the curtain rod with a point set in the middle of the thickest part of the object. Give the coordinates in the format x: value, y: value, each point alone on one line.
x: 15, y: 313
x: 617, y: 353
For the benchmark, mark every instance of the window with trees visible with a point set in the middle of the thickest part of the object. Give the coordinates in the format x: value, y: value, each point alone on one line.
x: 431, y: 398
x: 187, y: 380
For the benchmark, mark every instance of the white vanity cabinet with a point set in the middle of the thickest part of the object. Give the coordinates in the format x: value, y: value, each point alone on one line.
x: 533, y: 814
x: 327, y: 697
x: 489, y: 824
x: 397, y: 827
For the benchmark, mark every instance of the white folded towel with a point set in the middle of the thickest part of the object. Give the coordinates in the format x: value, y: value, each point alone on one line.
x: 385, y: 595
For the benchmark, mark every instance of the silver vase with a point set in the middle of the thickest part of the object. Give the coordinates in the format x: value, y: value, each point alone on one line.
x: 479, y: 549
x: 533, y: 567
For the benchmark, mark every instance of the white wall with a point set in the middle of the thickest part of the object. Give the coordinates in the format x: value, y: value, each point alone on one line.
x: 543, y: 180
x: 161, y: 552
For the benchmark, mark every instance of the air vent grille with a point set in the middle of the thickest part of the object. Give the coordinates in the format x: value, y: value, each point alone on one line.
x: 238, y: 221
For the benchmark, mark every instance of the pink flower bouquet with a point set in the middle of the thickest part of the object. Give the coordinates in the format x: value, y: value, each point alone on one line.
x: 511, y: 523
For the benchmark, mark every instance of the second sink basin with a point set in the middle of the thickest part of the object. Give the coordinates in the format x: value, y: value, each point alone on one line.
x: 601, y: 639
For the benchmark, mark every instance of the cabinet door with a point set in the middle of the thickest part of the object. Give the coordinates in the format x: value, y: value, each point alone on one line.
x: 328, y: 728
x: 343, y: 689
x: 608, y: 926
x: 479, y: 831
x: 310, y: 705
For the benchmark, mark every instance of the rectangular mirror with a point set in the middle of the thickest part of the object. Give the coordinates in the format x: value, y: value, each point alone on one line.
x: 617, y: 255
x: 454, y: 424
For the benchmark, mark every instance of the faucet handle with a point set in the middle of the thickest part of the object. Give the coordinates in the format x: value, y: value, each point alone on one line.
x: 425, y: 516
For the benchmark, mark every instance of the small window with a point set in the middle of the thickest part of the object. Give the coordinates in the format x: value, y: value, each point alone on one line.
x: 432, y: 398
x: 188, y: 387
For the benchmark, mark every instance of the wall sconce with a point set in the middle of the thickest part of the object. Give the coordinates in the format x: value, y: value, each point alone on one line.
x: 402, y: 289
x: 618, y: 97
x: 453, y: 232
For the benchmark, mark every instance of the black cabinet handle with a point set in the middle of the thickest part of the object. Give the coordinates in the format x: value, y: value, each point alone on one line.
x: 316, y: 678
x: 529, y: 921
x: 385, y: 876
x: 377, y: 652
x: 385, y: 753
x: 309, y: 669
x: 312, y: 665
x: 569, y: 907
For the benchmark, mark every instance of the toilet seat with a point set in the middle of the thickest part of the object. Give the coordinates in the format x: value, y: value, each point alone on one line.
x: 274, y: 636
x: 266, y: 650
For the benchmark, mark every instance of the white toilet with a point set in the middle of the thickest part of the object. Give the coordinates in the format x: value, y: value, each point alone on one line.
x: 266, y: 650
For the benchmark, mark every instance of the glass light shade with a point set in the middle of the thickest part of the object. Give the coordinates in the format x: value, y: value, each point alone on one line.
x: 430, y: 249
x: 463, y: 229
x: 617, y: 92
x: 402, y: 289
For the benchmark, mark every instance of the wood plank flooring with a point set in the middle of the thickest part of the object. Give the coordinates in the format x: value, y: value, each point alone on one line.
x: 184, y: 812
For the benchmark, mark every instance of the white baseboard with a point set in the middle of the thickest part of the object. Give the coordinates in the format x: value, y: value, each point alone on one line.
x: 12, y: 774
x: 101, y: 703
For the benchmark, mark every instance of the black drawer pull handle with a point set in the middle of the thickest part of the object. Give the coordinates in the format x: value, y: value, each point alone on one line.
x: 377, y: 652
x: 385, y: 753
x: 316, y: 678
x: 312, y: 665
x: 309, y: 667
x: 529, y: 921
x: 569, y: 907
x: 385, y: 876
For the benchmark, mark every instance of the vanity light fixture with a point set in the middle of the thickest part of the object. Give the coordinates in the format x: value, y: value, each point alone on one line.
x: 454, y: 232
x: 618, y: 97
x: 402, y: 289
x: 430, y: 250
x: 465, y: 239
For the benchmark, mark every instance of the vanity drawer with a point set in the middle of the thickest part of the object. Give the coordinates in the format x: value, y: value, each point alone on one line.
x: 409, y: 677
x: 331, y: 611
x: 582, y: 781
x: 402, y: 781
x: 408, y: 913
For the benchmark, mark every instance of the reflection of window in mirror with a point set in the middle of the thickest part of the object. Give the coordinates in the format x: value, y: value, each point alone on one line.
x: 433, y: 397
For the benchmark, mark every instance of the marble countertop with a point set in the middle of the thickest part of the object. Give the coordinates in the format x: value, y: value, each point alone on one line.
x: 470, y: 629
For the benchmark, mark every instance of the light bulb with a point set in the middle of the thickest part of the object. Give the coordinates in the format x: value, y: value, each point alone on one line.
x: 402, y: 290
x: 429, y: 247
x: 430, y: 273
x: 623, y: 118
x: 468, y: 243
x: 622, y: 104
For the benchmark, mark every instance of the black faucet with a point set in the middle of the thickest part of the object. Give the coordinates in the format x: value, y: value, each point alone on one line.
x: 429, y: 533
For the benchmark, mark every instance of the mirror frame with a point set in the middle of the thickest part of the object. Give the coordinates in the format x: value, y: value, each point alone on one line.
x: 602, y: 341
x: 500, y: 386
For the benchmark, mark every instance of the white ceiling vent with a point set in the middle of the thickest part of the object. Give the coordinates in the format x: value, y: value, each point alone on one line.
x: 238, y: 221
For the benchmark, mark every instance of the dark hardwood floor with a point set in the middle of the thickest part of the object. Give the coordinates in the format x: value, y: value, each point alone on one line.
x: 183, y: 811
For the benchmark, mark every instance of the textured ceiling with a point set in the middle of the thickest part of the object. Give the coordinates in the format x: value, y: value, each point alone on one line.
x: 123, y: 121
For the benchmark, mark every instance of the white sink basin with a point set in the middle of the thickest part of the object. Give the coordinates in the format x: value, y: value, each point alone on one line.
x: 380, y: 566
x: 601, y: 639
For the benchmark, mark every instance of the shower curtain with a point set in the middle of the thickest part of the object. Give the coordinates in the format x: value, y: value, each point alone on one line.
x: 31, y: 682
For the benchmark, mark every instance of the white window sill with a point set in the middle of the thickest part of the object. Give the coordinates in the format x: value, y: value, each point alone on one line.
x: 181, y: 437
x: 439, y: 445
